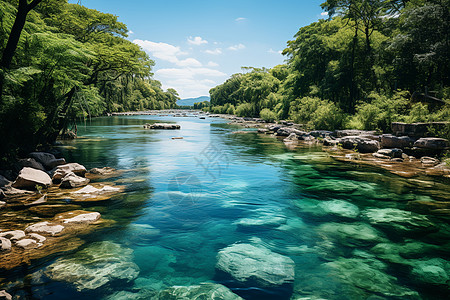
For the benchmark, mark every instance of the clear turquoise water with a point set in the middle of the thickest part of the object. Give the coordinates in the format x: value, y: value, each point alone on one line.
x: 187, y: 199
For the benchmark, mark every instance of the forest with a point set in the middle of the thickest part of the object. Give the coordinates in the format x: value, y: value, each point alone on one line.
x: 62, y: 61
x: 370, y: 63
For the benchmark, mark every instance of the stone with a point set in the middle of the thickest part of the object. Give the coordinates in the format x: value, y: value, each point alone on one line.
x: 71, y: 181
x: 392, y: 141
x: 61, y: 171
x: 5, y: 244
x: 246, y: 262
x: 325, y: 209
x: 5, y: 296
x: 162, y: 126
x: 321, y: 133
x: 434, y: 271
x: 38, y: 237
x: 353, y: 132
x: 291, y: 138
x: 3, y: 181
x: 2, y: 195
x: 429, y: 162
x: 13, y: 235
x: 391, y: 153
x: 29, y: 178
x: 330, y: 142
x: 363, y: 145
x: 45, y: 228
x: 432, y: 143
x: 92, y: 190
x: 43, y: 157
x: 398, y: 220
x: 202, y: 291
x: 99, y: 265
x: 27, y: 244
x: 286, y: 131
x: 354, y: 234
x: 31, y: 163
x: 12, y: 192
x: 274, y: 127
x: 263, y: 130
x: 84, y: 218
x: 380, y: 156
x: 103, y: 171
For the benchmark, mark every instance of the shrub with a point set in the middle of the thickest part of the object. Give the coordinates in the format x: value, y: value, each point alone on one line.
x: 244, y: 110
x: 268, y: 115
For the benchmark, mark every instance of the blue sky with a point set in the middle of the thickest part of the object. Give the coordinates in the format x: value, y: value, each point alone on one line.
x: 198, y: 44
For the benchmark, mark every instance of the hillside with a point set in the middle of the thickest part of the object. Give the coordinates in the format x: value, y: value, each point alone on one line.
x: 191, y: 101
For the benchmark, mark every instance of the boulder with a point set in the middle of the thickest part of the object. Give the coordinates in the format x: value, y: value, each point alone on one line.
x: 321, y: 133
x: 13, y: 235
x: 353, y: 132
x: 29, y: 178
x: 202, y: 291
x: 93, y: 190
x: 432, y: 143
x: 45, y: 228
x: 48, y: 160
x: 28, y: 244
x: 359, y: 234
x: 363, y: 145
x: 98, y: 265
x: 37, y: 237
x: 328, y: 141
x: 263, y: 130
x: 162, y: 126
x: 3, y: 181
x: 61, y: 171
x: 12, y: 192
x: 434, y: 271
x: 5, y: 244
x: 286, y: 131
x: 83, y: 218
x: 244, y: 262
x: 291, y: 138
x: 31, y: 163
x: 392, y: 141
x: 391, y: 153
x: 71, y: 181
x: 102, y: 171
x: 274, y: 128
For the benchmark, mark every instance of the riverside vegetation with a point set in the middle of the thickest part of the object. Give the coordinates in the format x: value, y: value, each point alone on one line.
x: 370, y: 64
x: 60, y: 61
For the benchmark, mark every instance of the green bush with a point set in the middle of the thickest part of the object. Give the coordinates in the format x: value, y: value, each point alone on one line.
x: 244, y: 110
x: 268, y: 115
x: 317, y: 113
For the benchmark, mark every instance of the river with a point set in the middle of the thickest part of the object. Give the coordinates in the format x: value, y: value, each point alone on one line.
x: 321, y: 228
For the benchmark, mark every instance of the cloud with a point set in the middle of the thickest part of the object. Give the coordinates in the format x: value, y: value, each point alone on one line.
x: 212, y: 64
x: 189, y: 62
x: 186, y: 73
x: 190, y: 88
x: 240, y: 19
x: 196, y: 41
x: 274, y: 52
x: 216, y: 51
x: 236, y: 47
x: 324, y: 14
x: 161, y: 50
x: 130, y: 32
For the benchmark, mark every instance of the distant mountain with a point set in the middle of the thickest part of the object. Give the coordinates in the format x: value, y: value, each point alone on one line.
x: 191, y: 101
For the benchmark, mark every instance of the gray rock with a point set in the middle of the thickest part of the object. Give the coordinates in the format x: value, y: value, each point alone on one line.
x: 353, y: 132
x: 162, y: 126
x: 321, y: 133
x: 61, y: 171
x: 286, y: 131
x: 330, y: 142
x: 48, y: 160
x: 11, y: 192
x: 380, y: 156
x: 102, y: 171
x: 434, y: 271
x: 28, y: 244
x: 429, y: 162
x: 246, y: 262
x: 45, y: 228
x: 201, y: 291
x: 291, y: 138
x: 274, y: 127
x: 83, y: 218
x: 392, y: 141
x: 5, y: 244
x: 13, y: 235
x: 31, y: 163
x: 398, y: 220
x: 71, y: 181
x: 4, y: 181
x: 392, y: 153
x: 363, y: 145
x: 263, y: 130
x: 99, y: 265
x: 29, y: 178
x: 37, y: 237
x: 432, y: 143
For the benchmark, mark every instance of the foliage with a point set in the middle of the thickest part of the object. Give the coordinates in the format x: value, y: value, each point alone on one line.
x: 267, y: 115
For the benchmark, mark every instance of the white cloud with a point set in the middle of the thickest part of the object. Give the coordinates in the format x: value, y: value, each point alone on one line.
x: 240, y: 19
x: 191, y: 87
x: 274, y: 52
x: 161, y: 50
x: 324, y: 14
x: 212, y: 64
x: 216, y: 51
x: 189, y: 62
x: 236, y: 47
x: 130, y: 32
x: 196, y: 41
x: 186, y: 73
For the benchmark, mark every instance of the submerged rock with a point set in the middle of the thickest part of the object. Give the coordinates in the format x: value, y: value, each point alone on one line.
x: 337, y: 208
x: 45, y: 228
x: 359, y: 234
x: 162, y: 126
x: 434, y: 271
x: 5, y: 244
x: 29, y: 178
x: 96, y: 266
x: 398, y: 220
x: 245, y: 262
x: 202, y: 291
x: 13, y: 234
x: 83, y: 218
x: 28, y: 244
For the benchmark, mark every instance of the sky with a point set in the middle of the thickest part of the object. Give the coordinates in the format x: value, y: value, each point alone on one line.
x: 198, y: 44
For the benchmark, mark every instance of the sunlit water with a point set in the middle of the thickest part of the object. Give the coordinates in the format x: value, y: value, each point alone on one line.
x: 187, y: 199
